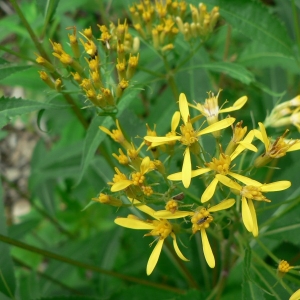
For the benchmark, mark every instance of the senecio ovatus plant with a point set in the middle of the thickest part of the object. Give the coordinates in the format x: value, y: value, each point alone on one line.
x: 102, y: 64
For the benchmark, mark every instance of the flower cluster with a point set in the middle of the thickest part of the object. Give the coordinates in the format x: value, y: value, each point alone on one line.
x: 85, y: 64
x: 218, y: 173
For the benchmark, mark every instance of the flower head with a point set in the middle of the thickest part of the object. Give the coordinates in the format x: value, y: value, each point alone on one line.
x: 283, y: 268
x: 200, y: 218
x: 210, y: 109
x: 219, y: 165
x: 137, y: 178
x: 117, y: 135
x: 160, y: 228
x: 188, y: 137
x: 276, y: 149
x: 252, y: 190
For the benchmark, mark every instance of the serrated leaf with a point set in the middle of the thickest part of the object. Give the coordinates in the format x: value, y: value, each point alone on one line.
x: 260, y: 56
x: 11, y: 107
x: 95, y: 136
x: 9, y: 69
x: 254, y: 20
x: 233, y: 70
x: 7, y: 277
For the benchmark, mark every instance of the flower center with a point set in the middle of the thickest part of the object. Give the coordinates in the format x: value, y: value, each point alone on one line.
x: 220, y: 165
x: 172, y: 206
x: 253, y: 192
x: 137, y: 178
x: 188, y: 134
x: 279, y: 147
x: 163, y: 228
x: 201, y: 219
x: 119, y: 176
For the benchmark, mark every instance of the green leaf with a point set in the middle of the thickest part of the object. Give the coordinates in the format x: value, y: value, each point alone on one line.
x: 254, y: 20
x: 260, y: 56
x: 95, y: 136
x: 11, y: 107
x: 7, y: 277
x: 251, y: 291
x: 9, y: 69
x: 233, y: 70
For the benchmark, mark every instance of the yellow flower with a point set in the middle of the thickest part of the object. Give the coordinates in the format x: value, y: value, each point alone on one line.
x: 188, y: 137
x: 276, y: 149
x: 283, y: 267
x: 138, y: 178
x: 252, y: 191
x: 296, y: 295
x: 117, y: 135
x: 210, y: 109
x: 106, y: 199
x: 219, y: 166
x: 160, y: 228
x: 200, y: 220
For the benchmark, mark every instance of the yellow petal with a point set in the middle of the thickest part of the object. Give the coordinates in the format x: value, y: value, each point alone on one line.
x: 200, y: 171
x: 175, y: 121
x: 161, y: 139
x: 246, y: 215
x: 228, y: 182
x: 258, y: 135
x: 208, y: 254
x: 175, y: 176
x: 133, y: 223
x: 144, y: 168
x: 217, y: 126
x: 294, y: 147
x: 176, y: 248
x: 209, y: 191
x: 276, y: 186
x: 244, y: 179
x: 238, y: 104
x: 245, y: 144
x: 105, y: 130
x: 120, y: 185
x: 187, y: 168
x: 184, y: 108
x: 146, y: 209
x: 154, y: 256
x: 254, y: 218
x: 222, y: 205
x: 264, y: 135
x: 166, y: 214
x: 296, y: 295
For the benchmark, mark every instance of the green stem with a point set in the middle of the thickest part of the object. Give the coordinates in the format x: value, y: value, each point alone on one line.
x: 271, y: 272
x: 171, y: 80
x: 29, y: 29
x: 38, y: 209
x: 269, y: 287
x: 79, y: 264
x: 46, y: 276
x: 17, y: 54
x: 183, y: 268
x: 188, y: 58
x: 76, y: 110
